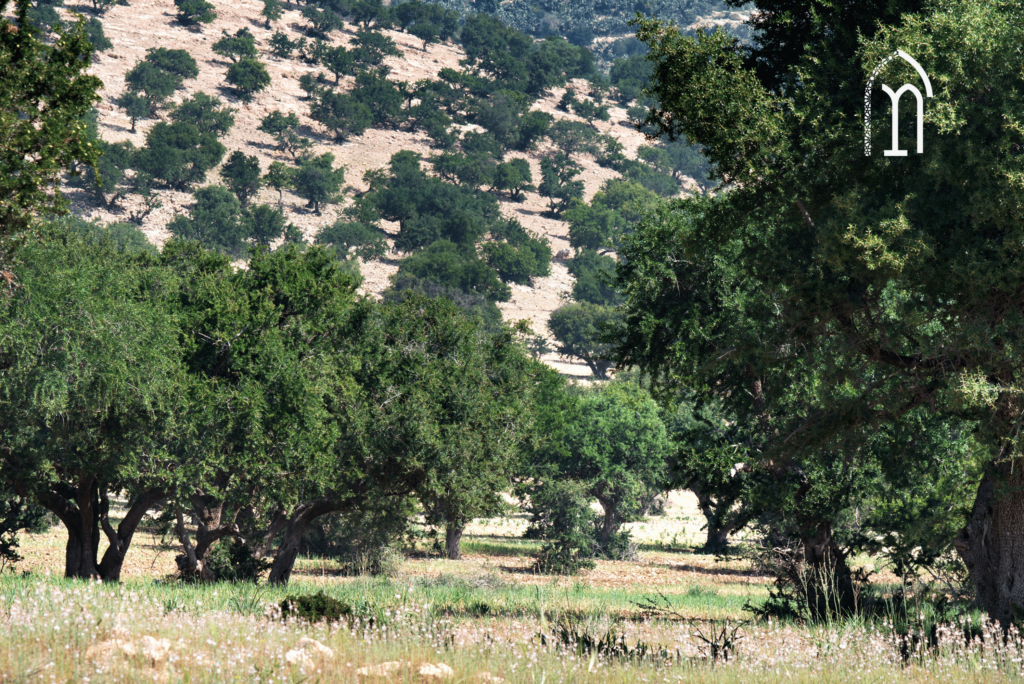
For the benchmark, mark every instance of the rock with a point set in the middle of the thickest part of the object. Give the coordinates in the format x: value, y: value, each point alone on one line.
x: 381, y: 670
x: 435, y: 672
x: 314, y: 646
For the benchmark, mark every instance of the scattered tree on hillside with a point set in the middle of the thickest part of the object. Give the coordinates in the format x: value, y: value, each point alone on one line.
x: 249, y: 77
x: 179, y: 153
x: 241, y: 173
x: 578, y: 329
x: 205, y: 112
x: 242, y: 45
x: 340, y: 113
x: 279, y: 177
x: 272, y: 11
x: 318, y: 182
x: 213, y: 221
x: 195, y: 12
x: 558, y: 184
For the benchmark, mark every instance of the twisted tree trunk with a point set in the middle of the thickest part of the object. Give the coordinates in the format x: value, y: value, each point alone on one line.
x: 992, y: 542
x: 301, y: 517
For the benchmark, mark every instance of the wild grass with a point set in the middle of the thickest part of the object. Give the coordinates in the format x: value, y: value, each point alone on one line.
x: 60, y: 630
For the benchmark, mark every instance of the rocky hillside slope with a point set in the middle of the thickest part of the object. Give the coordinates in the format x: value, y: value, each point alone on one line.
x: 151, y: 23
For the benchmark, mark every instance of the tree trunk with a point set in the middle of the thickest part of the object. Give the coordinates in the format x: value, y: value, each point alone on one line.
x: 827, y: 581
x: 453, y: 539
x: 718, y: 534
x: 284, y: 560
x: 992, y: 542
x: 119, y: 540
x: 608, y: 524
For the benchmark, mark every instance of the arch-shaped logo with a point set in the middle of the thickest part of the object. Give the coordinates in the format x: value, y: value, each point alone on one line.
x: 895, y: 97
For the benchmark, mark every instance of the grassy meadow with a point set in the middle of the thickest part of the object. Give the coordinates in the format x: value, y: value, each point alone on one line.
x: 487, y: 618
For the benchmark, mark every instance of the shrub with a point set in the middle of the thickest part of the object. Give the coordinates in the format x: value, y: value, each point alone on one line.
x: 560, y: 514
x: 595, y: 275
x: 195, y: 12
x: 339, y: 61
x: 242, y: 45
x: 312, y: 608
x: 514, y: 177
x: 321, y: 21
x: 532, y: 127
x: 249, y: 77
x: 381, y: 96
x: 108, y: 178
x: 152, y: 81
x: 233, y: 561
x: 345, y: 236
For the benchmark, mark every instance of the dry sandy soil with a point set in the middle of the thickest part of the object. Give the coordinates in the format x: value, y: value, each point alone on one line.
x: 150, y: 23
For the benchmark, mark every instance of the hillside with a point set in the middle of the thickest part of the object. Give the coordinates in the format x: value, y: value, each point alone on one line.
x: 149, y: 24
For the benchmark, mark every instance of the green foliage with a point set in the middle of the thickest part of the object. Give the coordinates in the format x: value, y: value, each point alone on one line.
x: 264, y: 224
x: 205, y: 112
x: 456, y: 266
x: 313, y: 608
x: 213, y: 221
x: 233, y: 561
x: 429, y: 209
x: 514, y: 177
x: 151, y: 81
x: 560, y: 514
x: 381, y: 96
x: 317, y: 181
x: 122, y: 237
x: 173, y: 61
x: 272, y: 11
x: 339, y: 61
x: 521, y: 255
x: 282, y: 46
x: 573, y: 138
x: 558, y: 184
x: 179, y: 153
x: 340, y: 113
x: 595, y: 278
x: 44, y: 18
x: 44, y: 94
x: 241, y: 173
x: 280, y: 178
x: 107, y: 178
x: 249, y: 77
x: 619, y: 447
x: 321, y: 21
x: 347, y: 237
x: 275, y: 122
x: 532, y: 127
x: 195, y: 12
x: 135, y: 106
x: 109, y: 383
x: 242, y: 45
x: 371, y: 13
x: 629, y: 76
x: 372, y: 48
x: 94, y: 31
x: 15, y: 514
x: 578, y: 330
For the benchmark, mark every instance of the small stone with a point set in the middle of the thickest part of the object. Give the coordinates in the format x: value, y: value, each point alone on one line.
x: 433, y: 672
